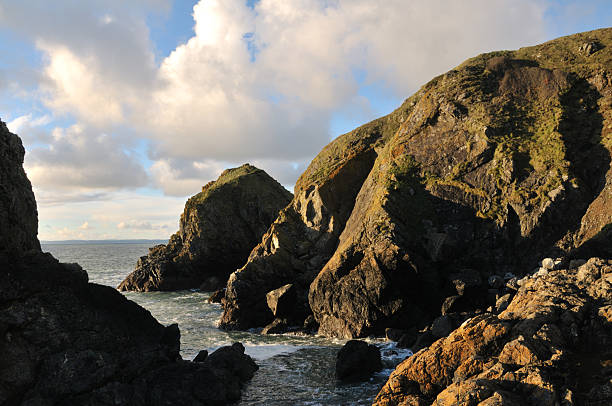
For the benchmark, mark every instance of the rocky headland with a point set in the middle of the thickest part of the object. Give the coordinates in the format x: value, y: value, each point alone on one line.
x: 485, y: 170
x: 552, y: 345
x: 218, y: 228
x: 64, y: 341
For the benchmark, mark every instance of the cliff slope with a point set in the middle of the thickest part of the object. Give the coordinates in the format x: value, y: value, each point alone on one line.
x: 218, y: 229
x: 507, y: 153
x: 65, y: 341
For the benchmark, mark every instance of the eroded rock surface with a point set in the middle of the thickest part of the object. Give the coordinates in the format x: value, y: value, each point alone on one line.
x: 218, y: 229
x: 551, y: 346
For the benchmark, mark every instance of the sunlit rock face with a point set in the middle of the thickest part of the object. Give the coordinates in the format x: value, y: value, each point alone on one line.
x: 218, y: 229
x: 487, y: 168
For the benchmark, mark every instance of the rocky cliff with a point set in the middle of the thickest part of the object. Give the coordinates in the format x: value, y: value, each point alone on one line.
x: 551, y: 346
x: 65, y: 341
x: 18, y: 215
x: 218, y: 229
x: 507, y: 153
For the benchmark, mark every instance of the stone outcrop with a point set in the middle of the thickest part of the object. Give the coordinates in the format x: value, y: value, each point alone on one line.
x: 18, y: 214
x: 357, y: 361
x: 551, y: 346
x: 218, y: 229
x: 66, y: 341
x: 509, y: 152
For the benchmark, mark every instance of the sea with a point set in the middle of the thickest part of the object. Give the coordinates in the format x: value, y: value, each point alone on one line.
x: 293, y: 369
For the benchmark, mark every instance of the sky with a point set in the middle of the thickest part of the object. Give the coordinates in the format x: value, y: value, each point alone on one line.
x: 126, y: 108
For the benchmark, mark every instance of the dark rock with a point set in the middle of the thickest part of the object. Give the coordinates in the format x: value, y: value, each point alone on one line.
x: 441, y: 327
x: 217, y: 296
x: 357, y: 361
x: 589, y: 48
x: 282, y: 301
x: 424, y: 340
x: 201, y: 357
x: 467, y: 282
x: 496, y: 281
x: 218, y: 229
x: 408, y: 338
x: 310, y: 325
x: 394, y: 334
x: 456, y: 304
x: 234, y: 361
x: 277, y: 326
x: 18, y: 214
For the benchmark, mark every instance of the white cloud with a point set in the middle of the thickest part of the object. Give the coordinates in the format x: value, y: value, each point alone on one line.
x: 82, y: 158
x: 85, y: 226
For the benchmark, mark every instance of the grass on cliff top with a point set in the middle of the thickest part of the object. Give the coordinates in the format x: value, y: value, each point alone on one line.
x: 531, y: 134
x: 365, y: 137
x: 227, y: 177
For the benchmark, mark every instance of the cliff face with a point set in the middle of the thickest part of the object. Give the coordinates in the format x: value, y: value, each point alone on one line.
x: 498, y: 162
x: 218, y: 229
x: 66, y: 341
x: 18, y: 215
x: 551, y: 346
x: 305, y: 234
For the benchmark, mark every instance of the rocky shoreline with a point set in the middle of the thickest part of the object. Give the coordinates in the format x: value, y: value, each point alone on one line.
x: 66, y: 341
x: 424, y: 225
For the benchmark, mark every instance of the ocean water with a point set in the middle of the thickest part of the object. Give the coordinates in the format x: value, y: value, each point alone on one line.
x: 293, y: 369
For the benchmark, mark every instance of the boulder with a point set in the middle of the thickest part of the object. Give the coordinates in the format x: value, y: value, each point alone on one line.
x: 441, y: 326
x: 357, y: 360
x: 218, y: 228
x: 552, y: 342
x: 277, y: 326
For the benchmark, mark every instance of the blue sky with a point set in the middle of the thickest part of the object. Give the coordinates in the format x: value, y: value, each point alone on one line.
x: 127, y: 108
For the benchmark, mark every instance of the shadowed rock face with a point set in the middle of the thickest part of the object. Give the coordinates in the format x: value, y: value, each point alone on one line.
x: 18, y: 215
x: 66, y: 341
x: 551, y: 346
x: 218, y: 229
x: 507, y: 153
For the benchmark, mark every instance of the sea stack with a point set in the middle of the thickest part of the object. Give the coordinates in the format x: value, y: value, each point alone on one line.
x: 485, y: 170
x: 218, y: 228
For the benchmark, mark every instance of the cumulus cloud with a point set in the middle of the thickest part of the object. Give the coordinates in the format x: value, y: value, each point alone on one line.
x: 257, y: 84
x: 75, y: 158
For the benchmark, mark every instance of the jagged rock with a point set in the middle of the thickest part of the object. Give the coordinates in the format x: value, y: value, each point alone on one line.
x: 357, y: 360
x: 201, y: 357
x: 550, y: 343
x: 281, y: 301
x: 501, y: 304
x: 217, y: 296
x: 496, y: 281
x: 218, y: 229
x: 18, y: 214
x: 277, y: 326
x: 66, y: 341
